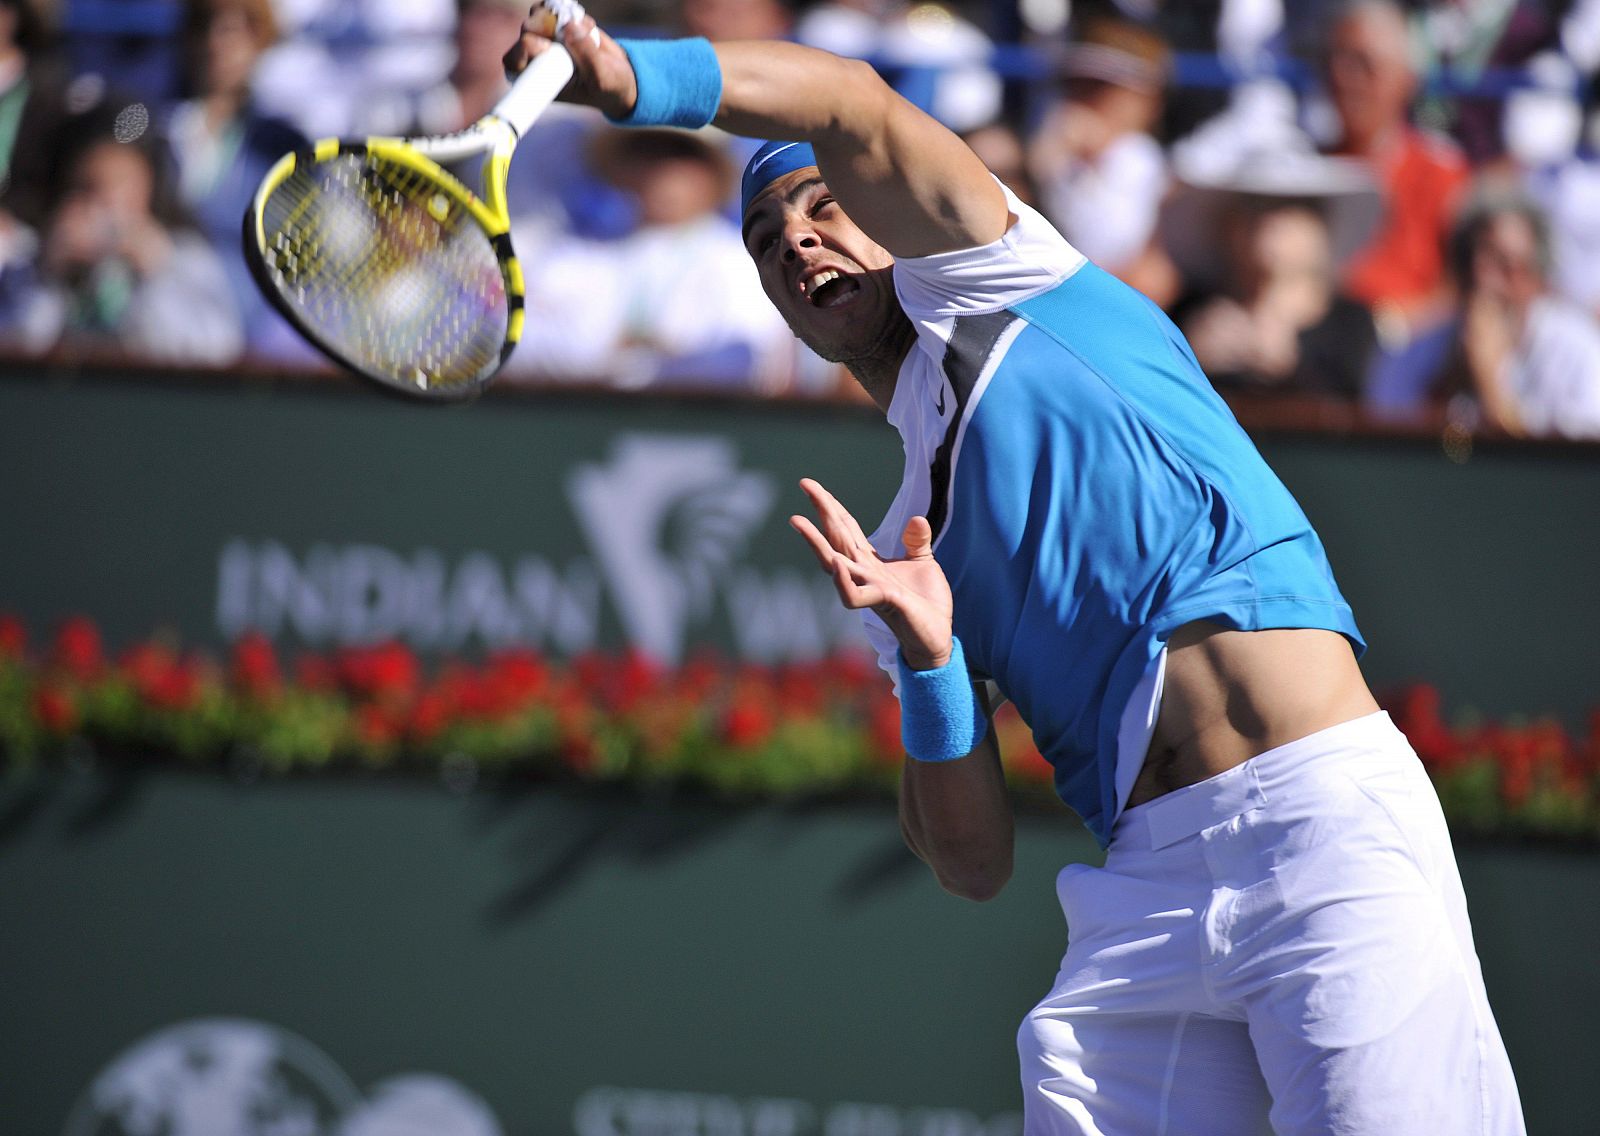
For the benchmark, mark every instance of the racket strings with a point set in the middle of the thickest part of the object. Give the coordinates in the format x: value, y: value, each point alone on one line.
x: 393, y: 273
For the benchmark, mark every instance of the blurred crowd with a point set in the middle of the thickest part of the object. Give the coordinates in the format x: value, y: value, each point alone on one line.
x: 1393, y: 205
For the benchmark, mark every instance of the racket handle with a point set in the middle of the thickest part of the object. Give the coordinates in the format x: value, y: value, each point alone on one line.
x: 535, y: 89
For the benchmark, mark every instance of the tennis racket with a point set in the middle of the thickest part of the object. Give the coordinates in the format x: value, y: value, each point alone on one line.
x: 387, y: 262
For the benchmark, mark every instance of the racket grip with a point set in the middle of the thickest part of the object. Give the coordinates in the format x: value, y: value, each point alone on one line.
x: 535, y: 89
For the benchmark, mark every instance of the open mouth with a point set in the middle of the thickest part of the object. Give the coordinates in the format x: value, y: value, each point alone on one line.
x: 830, y: 288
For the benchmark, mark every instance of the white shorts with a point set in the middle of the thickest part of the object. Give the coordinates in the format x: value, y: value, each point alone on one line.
x: 1284, y: 944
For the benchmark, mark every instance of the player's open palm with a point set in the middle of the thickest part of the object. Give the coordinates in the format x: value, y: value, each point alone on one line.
x: 911, y: 595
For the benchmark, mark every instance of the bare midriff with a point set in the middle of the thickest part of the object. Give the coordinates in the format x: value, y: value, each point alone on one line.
x: 1230, y: 695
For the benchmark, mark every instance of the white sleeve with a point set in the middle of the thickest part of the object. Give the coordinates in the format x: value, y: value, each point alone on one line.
x: 1030, y: 257
x: 886, y: 646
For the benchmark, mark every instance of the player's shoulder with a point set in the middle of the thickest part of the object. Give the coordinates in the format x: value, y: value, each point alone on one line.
x: 1029, y: 258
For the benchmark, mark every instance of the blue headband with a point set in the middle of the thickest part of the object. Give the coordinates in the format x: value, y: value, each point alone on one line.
x: 770, y: 163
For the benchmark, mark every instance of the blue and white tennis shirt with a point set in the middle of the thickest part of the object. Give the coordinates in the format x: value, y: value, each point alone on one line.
x: 1089, y: 494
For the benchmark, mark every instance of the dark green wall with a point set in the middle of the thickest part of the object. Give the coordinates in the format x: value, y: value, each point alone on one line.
x: 118, y: 499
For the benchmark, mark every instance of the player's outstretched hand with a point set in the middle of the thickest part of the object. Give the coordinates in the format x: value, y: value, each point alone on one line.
x: 602, y: 76
x: 911, y: 595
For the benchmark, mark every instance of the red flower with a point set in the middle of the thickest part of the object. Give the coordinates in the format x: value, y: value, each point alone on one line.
x: 590, y: 669
x: 429, y: 716
x: 698, y: 677
x: 475, y: 695
x: 637, y: 676
x: 78, y: 650
x: 388, y: 671
x: 255, y: 666
x: 800, y: 690
x: 55, y: 709
x: 1591, y: 750
x: 161, y: 678
x: 13, y: 637
x: 519, y: 673
x: 510, y: 682
x: 748, y: 724
x: 883, y: 725
x: 146, y: 662
x: 852, y: 670
x: 315, y: 673
x: 177, y: 689
x: 1416, y: 712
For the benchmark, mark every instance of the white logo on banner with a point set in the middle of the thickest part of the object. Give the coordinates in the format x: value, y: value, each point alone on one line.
x: 363, y: 593
x: 609, y: 1111
x: 666, y: 518
x: 235, y: 1077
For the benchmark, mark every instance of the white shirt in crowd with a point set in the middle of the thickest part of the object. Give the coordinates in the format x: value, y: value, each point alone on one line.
x: 1554, y: 374
x: 614, y: 311
x: 1107, y: 208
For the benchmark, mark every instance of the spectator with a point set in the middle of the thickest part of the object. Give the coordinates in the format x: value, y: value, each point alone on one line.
x: 32, y: 107
x: 1467, y: 40
x: 933, y: 55
x: 222, y: 148
x: 1243, y: 35
x: 547, y: 181
x: 735, y: 19
x: 1569, y: 194
x: 117, y: 269
x: 1371, y: 82
x: 1515, y: 359
x: 1543, y: 130
x: 676, y: 302
x: 1279, y: 323
x: 337, y: 57
x: 1100, y: 174
x: 474, y: 83
x: 719, y: 20
x: 1529, y: 360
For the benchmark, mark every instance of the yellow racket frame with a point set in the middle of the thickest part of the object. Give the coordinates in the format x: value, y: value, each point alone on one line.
x: 496, y: 136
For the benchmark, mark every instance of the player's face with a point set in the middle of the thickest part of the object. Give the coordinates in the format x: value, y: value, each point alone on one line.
x: 829, y: 280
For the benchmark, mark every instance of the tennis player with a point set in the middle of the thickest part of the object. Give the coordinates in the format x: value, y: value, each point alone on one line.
x: 1279, y: 934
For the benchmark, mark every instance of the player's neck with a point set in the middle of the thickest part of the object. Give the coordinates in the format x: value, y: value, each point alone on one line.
x: 878, y: 369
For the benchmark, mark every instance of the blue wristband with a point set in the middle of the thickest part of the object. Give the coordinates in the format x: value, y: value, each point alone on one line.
x: 680, y: 82
x: 940, y: 719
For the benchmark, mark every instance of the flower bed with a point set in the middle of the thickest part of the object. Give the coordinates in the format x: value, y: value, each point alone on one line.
x: 821, y: 727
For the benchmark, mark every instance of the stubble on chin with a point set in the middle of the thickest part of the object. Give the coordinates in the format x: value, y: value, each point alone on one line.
x: 875, y: 358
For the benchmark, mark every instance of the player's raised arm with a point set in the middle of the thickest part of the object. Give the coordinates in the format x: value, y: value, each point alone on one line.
x: 908, y: 182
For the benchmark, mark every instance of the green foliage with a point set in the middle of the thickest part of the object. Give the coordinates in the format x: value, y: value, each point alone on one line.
x: 743, y: 732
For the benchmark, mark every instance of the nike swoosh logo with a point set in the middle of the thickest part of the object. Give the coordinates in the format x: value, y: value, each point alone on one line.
x: 939, y: 406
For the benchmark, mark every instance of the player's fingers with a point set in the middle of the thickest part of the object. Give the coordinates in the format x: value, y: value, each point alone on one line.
x: 820, y: 548
x: 918, y: 538
x: 531, y: 43
x: 604, y: 74
x: 583, y: 38
x: 843, y: 531
x: 856, y: 590
x: 831, y: 516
